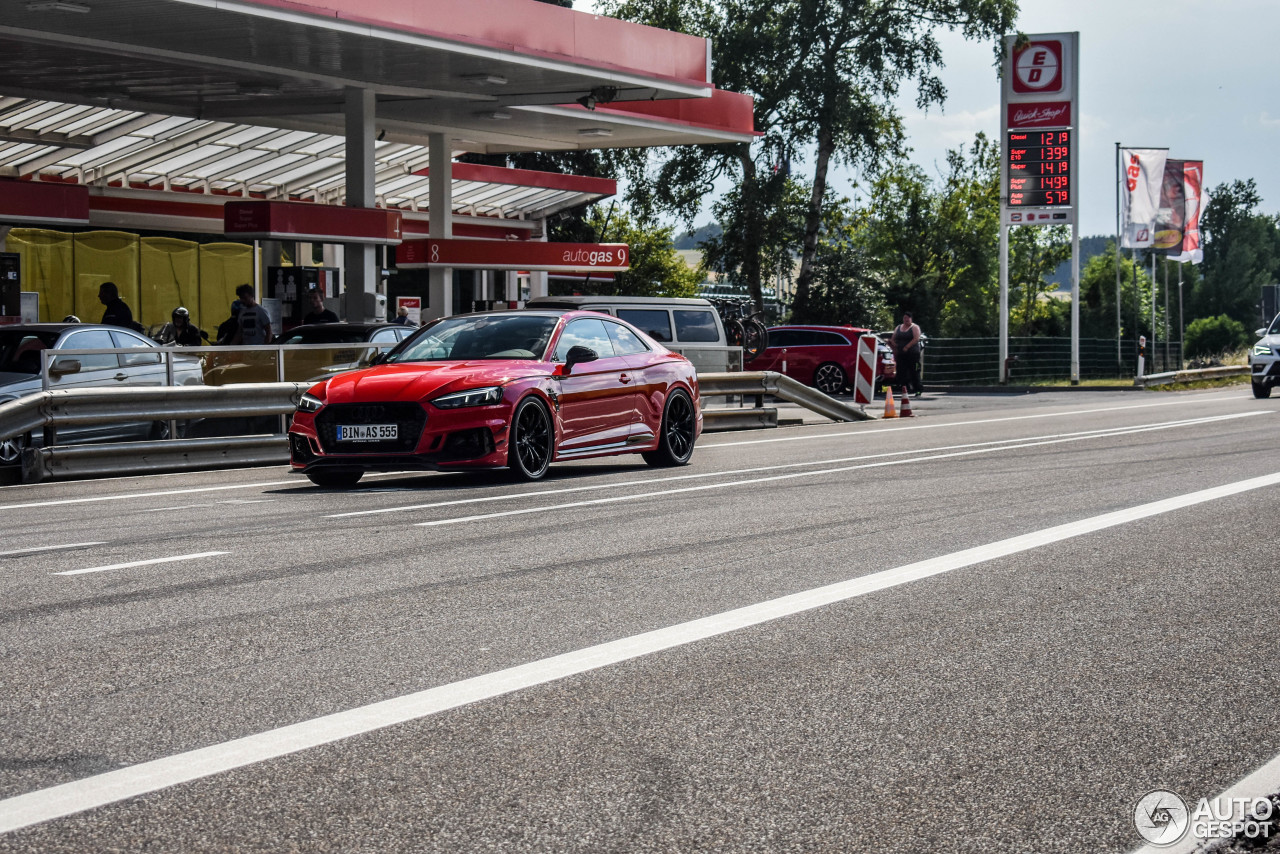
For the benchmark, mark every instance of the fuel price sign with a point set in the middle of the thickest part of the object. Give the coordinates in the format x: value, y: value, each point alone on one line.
x: 1039, y: 169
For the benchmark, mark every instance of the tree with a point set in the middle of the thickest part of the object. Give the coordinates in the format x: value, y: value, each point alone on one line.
x: 1034, y: 253
x: 934, y: 248
x: 823, y: 74
x: 1214, y: 336
x: 655, y: 267
x: 1241, y: 253
x: 1098, y: 296
x: 845, y: 290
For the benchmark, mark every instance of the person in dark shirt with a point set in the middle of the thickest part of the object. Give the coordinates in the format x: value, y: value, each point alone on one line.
x: 181, y: 330
x: 318, y: 313
x: 229, y: 326
x: 117, y: 313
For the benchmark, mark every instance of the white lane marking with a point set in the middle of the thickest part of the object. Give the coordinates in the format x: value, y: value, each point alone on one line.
x: 140, y: 563
x: 91, y: 792
x: 179, y: 507
x: 731, y: 472
x: 248, y: 501
x: 124, y: 496
x: 900, y: 427
x: 1262, y: 783
x: 777, y: 477
x: 49, y: 548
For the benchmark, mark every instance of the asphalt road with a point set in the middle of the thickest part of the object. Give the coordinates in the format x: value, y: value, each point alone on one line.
x: 532, y: 668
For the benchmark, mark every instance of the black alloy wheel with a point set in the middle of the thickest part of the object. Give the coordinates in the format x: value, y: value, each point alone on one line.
x: 1261, y: 390
x: 830, y: 378
x: 531, y: 440
x: 335, y: 479
x: 675, y: 441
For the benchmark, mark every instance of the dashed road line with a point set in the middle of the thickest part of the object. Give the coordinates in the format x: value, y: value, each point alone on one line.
x: 133, y: 563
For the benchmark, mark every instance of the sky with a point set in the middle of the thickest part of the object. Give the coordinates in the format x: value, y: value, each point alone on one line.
x: 1201, y: 79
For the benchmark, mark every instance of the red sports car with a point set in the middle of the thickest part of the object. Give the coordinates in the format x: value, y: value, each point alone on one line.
x: 508, y: 388
x: 825, y: 357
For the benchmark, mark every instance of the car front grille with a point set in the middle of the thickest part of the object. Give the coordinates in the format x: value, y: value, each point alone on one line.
x: 409, y: 418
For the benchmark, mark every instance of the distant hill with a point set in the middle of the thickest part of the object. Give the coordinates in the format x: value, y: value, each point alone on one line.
x: 1089, y: 246
x: 691, y: 239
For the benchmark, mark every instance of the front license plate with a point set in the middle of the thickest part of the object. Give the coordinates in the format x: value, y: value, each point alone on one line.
x: 366, y: 432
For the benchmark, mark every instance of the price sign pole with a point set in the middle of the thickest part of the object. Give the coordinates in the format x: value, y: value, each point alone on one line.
x: 1039, y: 173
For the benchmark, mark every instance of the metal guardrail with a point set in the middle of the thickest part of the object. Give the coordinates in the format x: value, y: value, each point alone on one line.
x: 1193, y: 374
x: 48, y: 410
x: 760, y: 383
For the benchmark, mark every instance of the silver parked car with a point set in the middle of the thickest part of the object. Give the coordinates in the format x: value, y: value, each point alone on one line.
x: 20, y: 348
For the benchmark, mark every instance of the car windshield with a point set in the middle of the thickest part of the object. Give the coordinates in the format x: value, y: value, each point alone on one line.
x: 479, y: 337
x: 20, y: 350
x: 333, y: 333
x: 1275, y: 326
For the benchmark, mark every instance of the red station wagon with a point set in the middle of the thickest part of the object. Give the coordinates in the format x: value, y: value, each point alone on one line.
x: 825, y: 357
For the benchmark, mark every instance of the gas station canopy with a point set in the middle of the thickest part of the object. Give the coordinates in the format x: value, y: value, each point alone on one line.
x: 496, y: 75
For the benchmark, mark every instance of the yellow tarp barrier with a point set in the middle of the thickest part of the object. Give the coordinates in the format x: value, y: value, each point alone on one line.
x: 47, y: 269
x: 105, y: 256
x: 223, y: 268
x: 170, y: 278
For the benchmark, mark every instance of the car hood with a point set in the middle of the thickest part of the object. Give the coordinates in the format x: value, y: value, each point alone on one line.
x: 422, y: 380
x: 15, y: 383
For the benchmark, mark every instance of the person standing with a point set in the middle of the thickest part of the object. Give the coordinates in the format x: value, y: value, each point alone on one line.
x: 117, y: 312
x: 906, y: 353
x: 402, y: 317
x: 255, y: 324
x: 318, y: 313
x: 227, y: 329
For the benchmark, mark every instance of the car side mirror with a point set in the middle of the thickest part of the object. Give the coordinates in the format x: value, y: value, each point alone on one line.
x: 578, y: 354
x: 1261, y: 333
x: 378, y: 359
x: 64, y: 366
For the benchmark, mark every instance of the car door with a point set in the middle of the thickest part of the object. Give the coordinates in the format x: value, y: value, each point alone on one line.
x: 596, y: 399
x: 100, y: 370
x: 646, y: 384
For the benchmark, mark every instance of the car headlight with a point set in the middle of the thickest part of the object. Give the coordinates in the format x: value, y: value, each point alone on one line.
x: 309, y: 403
x: 471, y: 397
x: 1261, y: 350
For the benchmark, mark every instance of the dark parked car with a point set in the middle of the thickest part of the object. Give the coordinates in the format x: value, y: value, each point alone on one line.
x: 825, y: 357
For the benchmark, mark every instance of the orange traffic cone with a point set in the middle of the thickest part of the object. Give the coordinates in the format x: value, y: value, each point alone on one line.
x: 890, y: 411
x: 906, y: 405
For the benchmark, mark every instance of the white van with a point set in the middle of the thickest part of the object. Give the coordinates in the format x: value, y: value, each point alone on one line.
x: 690, y: 327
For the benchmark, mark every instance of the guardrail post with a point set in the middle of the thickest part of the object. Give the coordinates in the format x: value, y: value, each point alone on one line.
x: 168, y: 381
x: 284, y: 419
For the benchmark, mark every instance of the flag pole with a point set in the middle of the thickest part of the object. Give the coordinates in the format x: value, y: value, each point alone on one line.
x: 1119, y: 322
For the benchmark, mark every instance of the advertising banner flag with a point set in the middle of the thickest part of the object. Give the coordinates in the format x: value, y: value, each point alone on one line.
x: 1196, y: 197
x: 1171, y: 216
x: 1143, y: 172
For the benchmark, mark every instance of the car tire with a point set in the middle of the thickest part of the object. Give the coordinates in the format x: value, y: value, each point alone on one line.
x: 11, y: 449
x: 531, y: 442
x: 1261, y: 390
x: 335, y: 479
x: 830, y: 378
x: 676, y: 434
